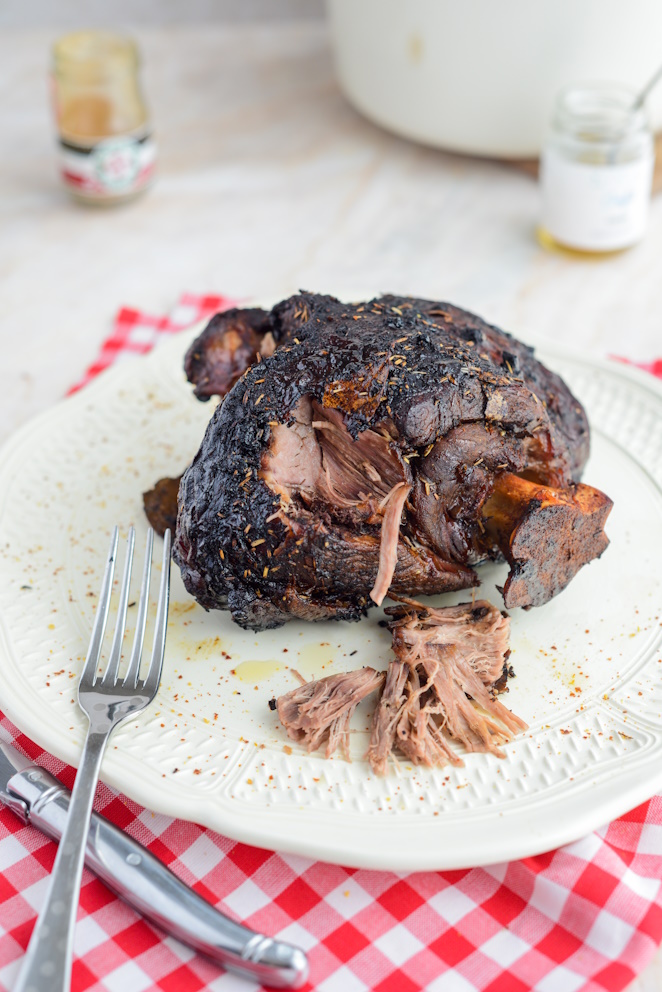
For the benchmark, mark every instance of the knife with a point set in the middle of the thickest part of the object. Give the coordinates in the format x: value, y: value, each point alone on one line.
x: 146, y: 884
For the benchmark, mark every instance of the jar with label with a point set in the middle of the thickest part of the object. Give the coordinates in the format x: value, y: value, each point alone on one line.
x: 107, y: 153
x: 596, y: 170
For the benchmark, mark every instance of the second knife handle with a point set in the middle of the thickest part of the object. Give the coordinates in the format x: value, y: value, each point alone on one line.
x: 143, y: 881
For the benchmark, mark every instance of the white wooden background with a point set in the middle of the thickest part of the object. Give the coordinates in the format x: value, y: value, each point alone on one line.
x: 268, y: 182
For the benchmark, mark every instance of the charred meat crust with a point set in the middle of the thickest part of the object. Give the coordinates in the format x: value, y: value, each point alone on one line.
x: 456, y: 400
x: 161, y: 505
x: 221, y: 354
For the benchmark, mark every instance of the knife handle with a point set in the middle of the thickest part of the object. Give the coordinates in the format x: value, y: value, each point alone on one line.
x: 144, y: 882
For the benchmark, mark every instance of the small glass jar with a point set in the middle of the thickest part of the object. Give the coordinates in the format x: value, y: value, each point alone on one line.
x: 107, y: 153
x: 596, y: 170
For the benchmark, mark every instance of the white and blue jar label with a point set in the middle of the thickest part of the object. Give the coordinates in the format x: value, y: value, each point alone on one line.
x: 593, y: 207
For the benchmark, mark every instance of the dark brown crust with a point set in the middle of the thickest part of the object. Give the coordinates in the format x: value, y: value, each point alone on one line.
x: 221, y: 354
x: 427, y: 373
x: 161, y: 505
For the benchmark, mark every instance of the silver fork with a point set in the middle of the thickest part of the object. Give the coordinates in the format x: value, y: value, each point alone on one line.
x: 106, y: 702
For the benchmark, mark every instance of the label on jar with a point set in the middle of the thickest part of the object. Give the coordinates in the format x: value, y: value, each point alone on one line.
x: 112, y: 167
x: 595, y: 207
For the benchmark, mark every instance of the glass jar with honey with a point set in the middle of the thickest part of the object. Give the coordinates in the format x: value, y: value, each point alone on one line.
x: 107, y: 153
x: 596, y: 170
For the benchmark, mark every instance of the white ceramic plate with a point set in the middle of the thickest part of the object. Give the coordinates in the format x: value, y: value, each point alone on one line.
x: 589, y: 664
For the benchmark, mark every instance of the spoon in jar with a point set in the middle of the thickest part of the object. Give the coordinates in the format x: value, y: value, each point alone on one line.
x: 642, y: 96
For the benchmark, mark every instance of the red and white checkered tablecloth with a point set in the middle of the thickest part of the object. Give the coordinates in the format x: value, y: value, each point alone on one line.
x: 585, y: 917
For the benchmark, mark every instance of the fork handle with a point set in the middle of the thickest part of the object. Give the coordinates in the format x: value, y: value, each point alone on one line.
x: 47, y: 963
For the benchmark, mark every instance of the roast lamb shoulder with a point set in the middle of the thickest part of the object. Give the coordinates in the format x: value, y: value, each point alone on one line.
x: 393, y: 444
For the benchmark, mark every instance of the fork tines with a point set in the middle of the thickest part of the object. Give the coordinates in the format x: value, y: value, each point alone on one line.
x: 89, y: 678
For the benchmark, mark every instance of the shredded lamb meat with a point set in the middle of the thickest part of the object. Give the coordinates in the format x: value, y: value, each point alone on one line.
x: 393, y: 505
x: 403, y: 719
x: 387, y: 715
x: 440, y: 688
x: 322, y: 710
x: 418, y: 735
x: 455, y: 656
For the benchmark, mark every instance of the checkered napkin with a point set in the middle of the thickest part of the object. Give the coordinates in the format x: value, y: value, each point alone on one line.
x: 585, y: 917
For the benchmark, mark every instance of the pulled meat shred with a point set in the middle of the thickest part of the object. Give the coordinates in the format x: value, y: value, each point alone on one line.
x: 323, y: 709
x: 388, y: 549
x: 403, y: 719
x: 453, y: 657
x: 439, y: 689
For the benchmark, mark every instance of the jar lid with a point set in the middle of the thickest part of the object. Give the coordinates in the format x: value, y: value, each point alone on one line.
x: 94, y: 56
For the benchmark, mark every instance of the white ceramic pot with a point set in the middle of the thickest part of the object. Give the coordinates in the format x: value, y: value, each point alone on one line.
x: 481, y: 76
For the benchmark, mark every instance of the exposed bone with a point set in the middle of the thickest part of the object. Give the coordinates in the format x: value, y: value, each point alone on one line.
x: 545, y: 534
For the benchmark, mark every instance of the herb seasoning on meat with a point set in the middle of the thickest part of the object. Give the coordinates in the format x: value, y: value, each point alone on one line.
x: 390, y: 445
